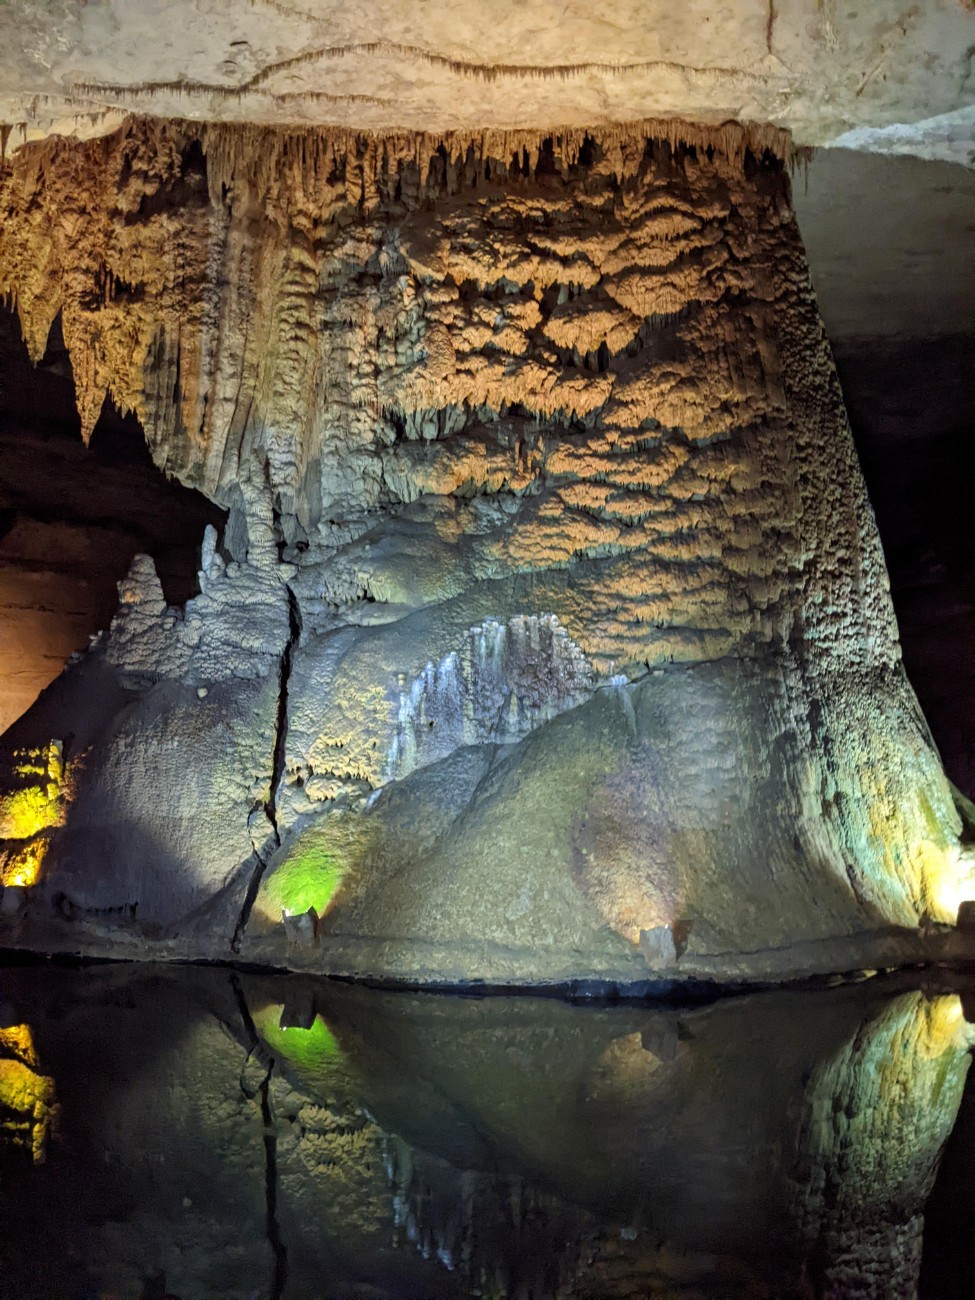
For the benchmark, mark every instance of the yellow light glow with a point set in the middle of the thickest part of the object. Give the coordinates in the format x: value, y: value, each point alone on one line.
x: 22, y: 866
x: 24, y: 813
x: 945, y: 1027
x: 17, y: 1040
x: 30, y: 812
x: 951, y: 880
x: 28, y: 1106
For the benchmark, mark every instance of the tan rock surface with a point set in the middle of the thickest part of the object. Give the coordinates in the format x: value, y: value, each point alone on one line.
x: 817, y: 67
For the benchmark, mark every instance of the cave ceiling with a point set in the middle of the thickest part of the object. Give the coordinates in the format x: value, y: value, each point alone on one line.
x: 491, y: 329
x: 873, y: 73
x: 874, y: 77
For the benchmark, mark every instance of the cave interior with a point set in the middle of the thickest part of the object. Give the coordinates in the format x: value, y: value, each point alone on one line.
x: 399, y: 490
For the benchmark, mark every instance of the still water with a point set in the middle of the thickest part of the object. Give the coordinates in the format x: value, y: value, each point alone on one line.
x: 205, y: 1133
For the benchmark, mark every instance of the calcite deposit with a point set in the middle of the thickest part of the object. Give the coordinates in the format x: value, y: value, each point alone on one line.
x: 549, y: 616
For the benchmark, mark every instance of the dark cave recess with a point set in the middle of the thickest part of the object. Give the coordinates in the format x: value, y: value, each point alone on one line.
x: 72, y: 518
x: 910, y: 403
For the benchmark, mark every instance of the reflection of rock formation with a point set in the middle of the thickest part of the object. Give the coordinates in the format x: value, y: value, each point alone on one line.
x: 505, y: 381
x: 493, y: 1230
x: 878, y: 1115
x: 666, y: 1151
x: 156, y: 1170
x: 781, y: 1145
x: 778, y: 1142
x: 28, y: 1106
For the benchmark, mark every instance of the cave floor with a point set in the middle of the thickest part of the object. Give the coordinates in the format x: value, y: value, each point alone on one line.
x: 359, y: 961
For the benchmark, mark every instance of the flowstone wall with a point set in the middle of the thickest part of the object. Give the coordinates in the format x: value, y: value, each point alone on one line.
x: 549, y: 635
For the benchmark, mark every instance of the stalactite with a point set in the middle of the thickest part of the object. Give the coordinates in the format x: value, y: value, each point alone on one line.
x: 506, y: 680
x: 128, y: 202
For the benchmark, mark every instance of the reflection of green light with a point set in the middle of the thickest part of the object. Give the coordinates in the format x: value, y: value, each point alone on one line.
x: 307, y: 880
x: 308, y: 1048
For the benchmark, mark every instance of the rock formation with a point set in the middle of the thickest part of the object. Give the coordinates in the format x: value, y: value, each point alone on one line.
x: 72, y: 518
x: 548, y: 638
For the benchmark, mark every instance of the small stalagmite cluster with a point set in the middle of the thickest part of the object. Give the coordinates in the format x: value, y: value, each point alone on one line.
x: 548, y: 638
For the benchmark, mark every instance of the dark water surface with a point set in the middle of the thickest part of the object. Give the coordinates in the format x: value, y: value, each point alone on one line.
x: 204, y: 1133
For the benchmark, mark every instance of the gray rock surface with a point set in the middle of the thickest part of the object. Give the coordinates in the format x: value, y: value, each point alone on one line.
x: 889, y: 75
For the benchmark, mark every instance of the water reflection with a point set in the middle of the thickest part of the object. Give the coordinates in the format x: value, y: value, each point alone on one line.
x: 27, y: 1105
x: 222, y: 1135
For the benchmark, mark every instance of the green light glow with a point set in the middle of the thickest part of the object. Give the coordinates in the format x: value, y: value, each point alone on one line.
x: 308, y: 880
x: 309, y: 1049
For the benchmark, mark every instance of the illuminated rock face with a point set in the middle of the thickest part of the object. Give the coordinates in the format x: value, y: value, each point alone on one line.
x: 550, y: 613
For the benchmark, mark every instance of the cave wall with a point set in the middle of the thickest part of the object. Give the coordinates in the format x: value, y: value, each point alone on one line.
x: 548, y: 561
